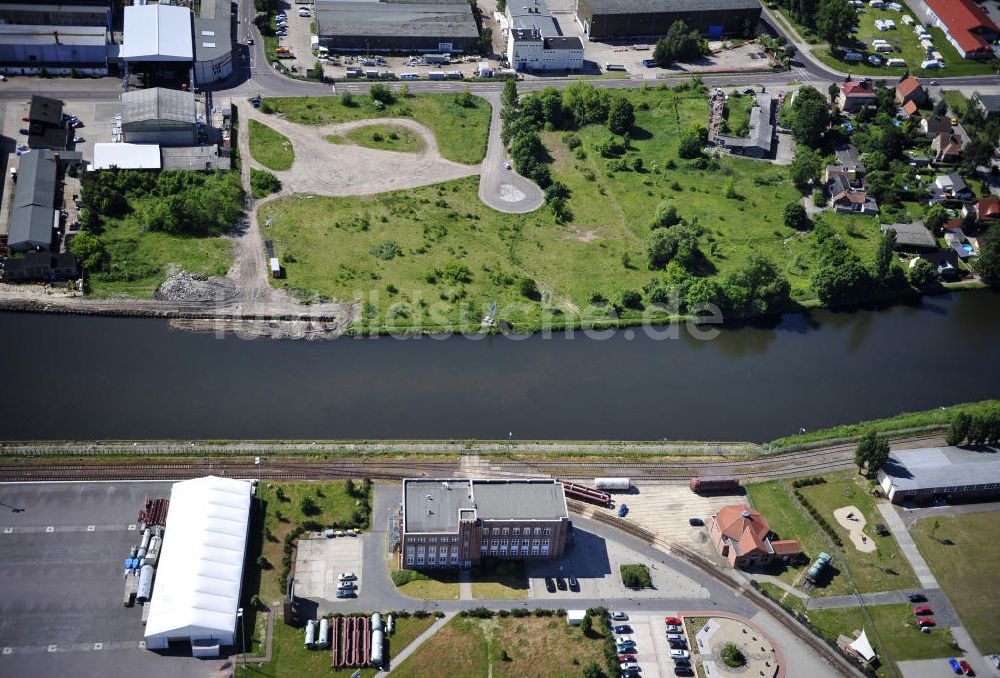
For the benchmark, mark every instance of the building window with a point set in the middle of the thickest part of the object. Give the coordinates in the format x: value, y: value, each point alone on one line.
x: 505, y: 532
x: 496, y: 531
x: 545, y: 543
x: 454, y: 540
x: 420, y: 550
x: 454, y: 560
x: 548, y: 531
x: 503, y: 543
x: 454, y: 551
x: 420, y: 540
x: 409, y: 560
x: 534, y: 544
x: 493, y: 551
x: 517, y: 531
x: 534, y: 549
x: 420, y: 560
x: 538, y: 531
x: 409, y: 550
x: 524, y: 549
x: 514, y: 543
x: 431, y: 560
x: 496, y: 542
x: 485, y: 544
x: 433, y: 540
x: 545, y: 550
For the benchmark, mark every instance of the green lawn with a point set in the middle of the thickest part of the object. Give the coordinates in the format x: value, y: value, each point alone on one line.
x: 398, y: 252
x: 886, y: 569
x: 784, y: 597
x: 966, y: 569
x: 738, y: 106
x: 270, y: 148
x: 891, y: 630
x: 383, y: 138
x: 461, y: 132
x: 428, y: 585
x: 956, y: 101
x: 543, y: 646
x: 500, y: 581
x: 789, y: 522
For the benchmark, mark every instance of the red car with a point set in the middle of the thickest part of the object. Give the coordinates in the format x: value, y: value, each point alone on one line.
x: 672, y: 621
x: 626, y: 658
x: 922, y: 610
x: 965, y: 667
x: 925, y: 621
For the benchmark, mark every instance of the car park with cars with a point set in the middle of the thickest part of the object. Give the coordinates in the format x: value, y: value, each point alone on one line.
x: 680, y: 654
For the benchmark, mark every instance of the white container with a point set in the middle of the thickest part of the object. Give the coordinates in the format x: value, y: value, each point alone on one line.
x: 311, y: 634
x: 145, y: 590
x: 324, y: 633
x: 620, y: 484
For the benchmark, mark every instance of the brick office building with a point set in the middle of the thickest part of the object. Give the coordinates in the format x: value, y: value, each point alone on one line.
x: 457, y: 522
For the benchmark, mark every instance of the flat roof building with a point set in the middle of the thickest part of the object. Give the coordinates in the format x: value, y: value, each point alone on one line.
x: 457, y: 522
x: 157, y: 33
x: 213, y: 42
x: 396, y: 26
x: 920, y: 476
x: 535, y: 42
x: 126, y: 156
x: 611, y: 19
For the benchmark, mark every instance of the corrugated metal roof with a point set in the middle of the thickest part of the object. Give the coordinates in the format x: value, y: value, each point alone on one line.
x: 939, y: 467
x: 36, y: 179
x: 666, y: 6
x: 404, y: 19
x: 30, y: 225
x: 157, y: 33
x: 19, y: 34
x: 158, y: 103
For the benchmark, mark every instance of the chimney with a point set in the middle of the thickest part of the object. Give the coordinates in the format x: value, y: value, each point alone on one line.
x: 55, y: 34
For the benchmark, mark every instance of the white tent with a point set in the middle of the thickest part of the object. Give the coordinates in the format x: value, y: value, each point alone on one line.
x: 863, y: 648
x: 197, y: 588
x: 126, y: 156
x: 157, y: 33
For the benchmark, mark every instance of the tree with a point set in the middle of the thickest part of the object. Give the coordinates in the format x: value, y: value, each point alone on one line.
x: 872, y: 452
x: 587, y: 627
x: 920, y: 274
x: 840, y: 278
x: 621, y: 116
x: 704, y: 292
x: 528, y: 288
x: 585, y: 103
x: 988, y: 263
x: 509, y: 97
x: 308, y: 506
x: 347, y: 99
x: 89, y: 251
x: 317, y: 72
x: 796, y: 217
x: 811, y: 117
x: 661, y: 246
x: 940, y: 106
x: 465, y: 99
x: 350, y: 488
x: 806, y: 167
x: 958, y: 430
x: 834, y: 21
x: 756, y: 288
x: 693, y: 141
x: 680, y: 44
x: 884, y: 259
x: 665, y: 217
x: 833, y: 91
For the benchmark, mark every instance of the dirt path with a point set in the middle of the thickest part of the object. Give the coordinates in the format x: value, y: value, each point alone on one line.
x: 853, y: 520
x: 325, y: 168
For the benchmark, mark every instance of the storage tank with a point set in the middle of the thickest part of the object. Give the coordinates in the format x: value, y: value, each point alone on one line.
x: 620, y: 484
x: 377, y: 637
x: 145, y: 590
x: 821, y: 561
x: 146, y: 535
x: 390, y: 624
x: 376, y: 622
x: 311, y: 634
x: 324, y: 633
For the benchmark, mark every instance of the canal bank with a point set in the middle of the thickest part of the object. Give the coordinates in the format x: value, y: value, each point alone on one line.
x: 98, y: 378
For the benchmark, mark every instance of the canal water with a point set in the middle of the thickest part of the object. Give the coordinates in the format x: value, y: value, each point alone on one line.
x: 71, y: 377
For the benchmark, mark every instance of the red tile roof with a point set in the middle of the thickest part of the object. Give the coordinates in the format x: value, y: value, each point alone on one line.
x: 908, y: 86
x: 738, y: 519
x: 988, y: 208
x: 786, y: 547
x: 855, y: 88
x: 961, y: 19
x: 910, y: 108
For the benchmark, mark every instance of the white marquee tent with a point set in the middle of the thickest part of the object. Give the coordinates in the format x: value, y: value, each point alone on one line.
x: 157, y: 33
x: 196, y: 591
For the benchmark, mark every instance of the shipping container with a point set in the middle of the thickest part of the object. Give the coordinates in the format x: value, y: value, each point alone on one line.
x: 713, y: 483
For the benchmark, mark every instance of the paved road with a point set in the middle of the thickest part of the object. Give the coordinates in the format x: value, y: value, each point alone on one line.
x: 504, y: 189
x: 911, y: 516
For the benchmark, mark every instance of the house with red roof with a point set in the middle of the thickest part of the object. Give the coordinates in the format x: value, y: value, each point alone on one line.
x: 987, y: 211
x: 966, y: 25
x: 855, y: 95
x: 910, y: 110
x: 910, y: 89
x: 744, y: 538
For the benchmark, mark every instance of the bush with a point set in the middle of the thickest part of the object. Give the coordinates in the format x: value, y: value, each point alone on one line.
x: 528, y: 288
x: 263, y: 183
x: 386, y: 251
x: 632, y: 299
x: 732, y: 656
x: 636, y: 576
x: 519, y: 612
x: 403, y: 577
x: 480, y: 613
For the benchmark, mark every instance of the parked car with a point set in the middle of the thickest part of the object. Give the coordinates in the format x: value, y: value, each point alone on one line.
x: 965, y: 667
x: 622, y: 510
x: 679, y: 654
x: 347, y: 576
x: 676, y: 637
x: 624, y: 639
x: 550, y: 585
x: 677, y: 644
x: 955, y: 666
x: 925, y: 621
x: 619, y: 616
x: 673, y: 629
x: 626, y: 657
x: 683, y: 671
x: 250, y: 40
x: 344, y: 593
x: 625, y: 648
x: 672, y: 621
x: 922, y: 610
x: 23, y: 130
x: 695, y: 522
x: 78, y: 140
x: 347, y: 586
x: 629, y: 666
x: 622, y: 628
x: 560, y: 583
x: 917, y: 598
x: 574, y: 585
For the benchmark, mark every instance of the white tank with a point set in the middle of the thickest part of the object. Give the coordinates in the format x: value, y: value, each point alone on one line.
x: 620, y: 484
x: 154, y: 544
x: 390, y: 624
x: 324, y: 633
x: 377, y: 637
x: 145, y: 590
x: 146, y: 534
x: 376, y: 622
x: 311, y: 634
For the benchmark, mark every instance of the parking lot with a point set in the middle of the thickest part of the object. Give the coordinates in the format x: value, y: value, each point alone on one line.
x: 319, y: 562
x: 299, y: 38
x: 652, y: 651
x: 61, y: 552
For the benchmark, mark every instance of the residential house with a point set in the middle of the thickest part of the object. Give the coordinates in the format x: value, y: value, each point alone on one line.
x: 743, y: 537
x: 957, y: 240
x: 910, y: 90
x: 909, y: 110
x: 934, y: 125
x: 947, y: 147
x: 944, y: 262
x: 848, y: 172
x: 854, y: 201
x: 987, y: 211
x: 988, y: 104
x: 848, y: 156
x: 951, y: 186
x: 855, y: 95
x: 966, y: 25
x: 911, y: 237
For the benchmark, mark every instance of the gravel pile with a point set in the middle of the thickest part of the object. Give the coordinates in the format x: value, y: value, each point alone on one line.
x: 186, y: 286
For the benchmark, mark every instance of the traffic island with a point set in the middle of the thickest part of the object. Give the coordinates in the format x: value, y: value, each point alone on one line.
x: 730, y: 646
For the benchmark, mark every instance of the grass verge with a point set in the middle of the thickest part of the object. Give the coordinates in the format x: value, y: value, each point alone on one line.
x: 430, y: 585
x: 962, y: 551
x: 383, y: 137
x: 461, y: 132
x: 271, y: 149
x: 500, y: 580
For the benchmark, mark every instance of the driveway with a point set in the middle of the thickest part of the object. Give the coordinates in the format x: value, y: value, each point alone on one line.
x: 504, y: 189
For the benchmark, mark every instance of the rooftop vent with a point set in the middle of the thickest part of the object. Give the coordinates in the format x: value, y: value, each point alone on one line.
x: 745, y: 514
x: 430, y: 512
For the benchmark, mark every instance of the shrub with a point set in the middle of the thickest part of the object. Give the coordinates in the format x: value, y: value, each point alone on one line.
x: 403, y: 577
x: 519, y: 612
x: 481, y: 613
x: 732, y: 656
x: 385, y: 251
x: 263, y: 183
x: 636, y: 576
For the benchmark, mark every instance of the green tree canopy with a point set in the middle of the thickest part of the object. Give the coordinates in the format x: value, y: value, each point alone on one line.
x: 806, y: 168
x: 834, y: 21
x: 988, y: 263
x: 680, y: 44
x: 811, y: 116
x: 621, y: 116
x: 756, y: 288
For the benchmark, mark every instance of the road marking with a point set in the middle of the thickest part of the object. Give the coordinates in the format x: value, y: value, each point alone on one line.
x: 53, y: 648
x: 91, y: 528
x: 50, y: 529
x: 98, y: 646
x: 8, y: 650
x: 8, y: 530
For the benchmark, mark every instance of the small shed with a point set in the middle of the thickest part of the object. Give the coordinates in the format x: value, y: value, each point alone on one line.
x: 912, y: 236
x: 575, y: 617
x: 275, y: 264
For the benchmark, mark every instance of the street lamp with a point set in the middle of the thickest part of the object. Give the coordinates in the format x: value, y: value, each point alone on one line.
x: 256, y: 461
x: 243, y: 628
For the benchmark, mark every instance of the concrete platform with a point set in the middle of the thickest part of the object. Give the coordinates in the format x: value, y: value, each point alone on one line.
x: 318, y: 562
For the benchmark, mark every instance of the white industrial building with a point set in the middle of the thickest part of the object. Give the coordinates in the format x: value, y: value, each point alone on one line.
x: 535, y: 42
x: 213, y: 44
x: 196, y: 591
x: 157, y: 33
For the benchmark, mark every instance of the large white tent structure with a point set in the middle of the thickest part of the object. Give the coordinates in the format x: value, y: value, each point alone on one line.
x: 157, y: 33
x: 196, y: 591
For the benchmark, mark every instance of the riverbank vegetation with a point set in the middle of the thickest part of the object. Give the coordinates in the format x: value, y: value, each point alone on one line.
x: 460, y: 122
x: 136, y: 226
x: 271, y: 149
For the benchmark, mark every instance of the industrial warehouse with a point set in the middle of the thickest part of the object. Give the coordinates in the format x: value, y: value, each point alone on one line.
x: 940, y: 473
x: 457, y: 522
x: 535, y: 42
x: 614, y: 19
x: 394, y: 26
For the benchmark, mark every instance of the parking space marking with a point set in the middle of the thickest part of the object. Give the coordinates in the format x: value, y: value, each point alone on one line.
x: 131, y: 528
x: 8, y: 650
x: 91, y: 528
x: 8, y: 530
x: 98, y: 646
x: 49, y: 529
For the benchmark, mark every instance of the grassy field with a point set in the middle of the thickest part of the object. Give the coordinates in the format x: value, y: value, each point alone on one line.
x: 504, y: 580
x: 429, y: 585
x: 337, y: 247
x: 956, y: 100
x: 790, y: 522
x: 784, y: 597
x: 290, y: 658
x: 382, y: 137
x: 271, y: 149
x: 966, y: 569
x: 892, y: 631
x: 461, y: 132
x: 901, y: 422
x: 886, y: 569
x: 544, y: 646
x: 737, y: 120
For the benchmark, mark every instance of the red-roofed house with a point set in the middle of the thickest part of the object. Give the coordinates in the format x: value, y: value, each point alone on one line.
x: 743, y: 537
x: 910, y: 89
x: 855, y: 95
x: 911, y: 110
x: 987, y: 211
x: 965, y: 24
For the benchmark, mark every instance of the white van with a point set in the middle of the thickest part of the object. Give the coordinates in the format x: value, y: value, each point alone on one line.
x: 884, y: 47
x: 896, y: 62
x: 304, y: 11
